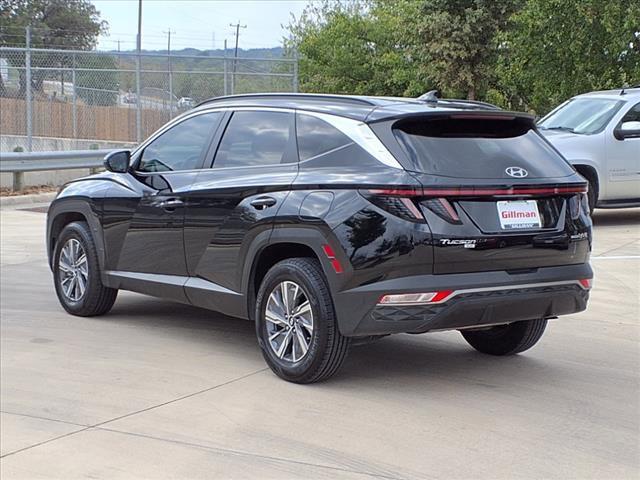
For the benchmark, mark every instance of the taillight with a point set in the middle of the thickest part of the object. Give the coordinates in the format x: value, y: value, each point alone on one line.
x: 574, y: 207
x: 404, y: 202
x: 577, y: 203
x: 400, y: 206
x: 584, y: 199
x: 475, y: 191
x: 443, y: 208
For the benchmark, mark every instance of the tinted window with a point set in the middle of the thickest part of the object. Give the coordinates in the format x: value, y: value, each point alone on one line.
x: 478, y: 148
x: 582, y: 115
x: 316, y: 137
x: 632, y: 115
x: 254, y: 139
x: 181, y: 147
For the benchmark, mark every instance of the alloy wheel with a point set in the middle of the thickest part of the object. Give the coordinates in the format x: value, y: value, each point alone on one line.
x: 289, y: 321
x: 73, y: 270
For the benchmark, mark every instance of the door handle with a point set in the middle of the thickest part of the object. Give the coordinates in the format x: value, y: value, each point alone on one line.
x: 263, y: 202
x: 171, y: 204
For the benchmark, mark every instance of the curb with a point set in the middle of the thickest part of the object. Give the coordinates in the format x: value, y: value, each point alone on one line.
x: 16, y: 200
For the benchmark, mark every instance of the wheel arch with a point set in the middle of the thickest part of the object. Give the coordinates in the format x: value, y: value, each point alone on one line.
x: 266, y: 258
x: 291, y: 242
x: 62, y: 212
x: 590, y: 173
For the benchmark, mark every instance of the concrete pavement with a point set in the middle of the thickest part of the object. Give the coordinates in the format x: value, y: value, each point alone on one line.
x: 162, y: 390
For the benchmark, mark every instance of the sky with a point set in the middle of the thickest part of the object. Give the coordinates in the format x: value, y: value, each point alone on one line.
x: 197, y: 24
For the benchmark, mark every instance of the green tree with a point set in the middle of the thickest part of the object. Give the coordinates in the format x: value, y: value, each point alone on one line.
x: 559, y: 48
x: 352, y: 48
x: 400, y: 47
x: 457, y: 42
x: 61, y: 24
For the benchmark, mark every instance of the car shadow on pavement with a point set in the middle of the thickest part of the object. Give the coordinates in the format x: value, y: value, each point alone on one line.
x: 175, y: 319
x: 615, y: 217
x: 433, y: 358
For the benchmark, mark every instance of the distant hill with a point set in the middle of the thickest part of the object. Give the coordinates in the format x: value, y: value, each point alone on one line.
x: 199, y: 74
x: 273, y: 52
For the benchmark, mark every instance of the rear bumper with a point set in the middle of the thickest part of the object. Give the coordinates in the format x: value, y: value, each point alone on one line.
x: 485, y: 298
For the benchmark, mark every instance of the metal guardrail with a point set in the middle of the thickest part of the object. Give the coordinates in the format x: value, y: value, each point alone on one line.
x: 42, y: 161
x: 19, y: 163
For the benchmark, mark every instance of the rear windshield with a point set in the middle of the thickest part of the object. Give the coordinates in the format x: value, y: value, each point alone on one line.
x: 478, y: 147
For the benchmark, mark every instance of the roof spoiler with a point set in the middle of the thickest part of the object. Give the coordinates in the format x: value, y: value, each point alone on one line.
x: 433, y: 97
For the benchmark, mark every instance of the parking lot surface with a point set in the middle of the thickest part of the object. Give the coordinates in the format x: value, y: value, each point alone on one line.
x: 161, y: 390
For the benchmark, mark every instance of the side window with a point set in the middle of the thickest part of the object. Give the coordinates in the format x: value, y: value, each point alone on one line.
x: 632, y: 115
x: 316, y: 137
x: 255, y: 139
x: 182, y: 146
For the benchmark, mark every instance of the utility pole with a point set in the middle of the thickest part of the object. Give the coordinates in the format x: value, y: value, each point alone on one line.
x: 235, y: 55
x: 138, y: 67
x: 226, y: 90
x: 168, y: 32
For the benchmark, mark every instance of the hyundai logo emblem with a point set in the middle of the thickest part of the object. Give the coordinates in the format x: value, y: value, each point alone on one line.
x: 517, y: 172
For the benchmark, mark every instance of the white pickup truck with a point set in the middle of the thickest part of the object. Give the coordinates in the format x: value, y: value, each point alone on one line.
x: 599, y: 134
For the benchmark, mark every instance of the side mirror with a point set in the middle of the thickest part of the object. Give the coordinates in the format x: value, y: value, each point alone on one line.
x: 118, y: 161
x: 627, y: 130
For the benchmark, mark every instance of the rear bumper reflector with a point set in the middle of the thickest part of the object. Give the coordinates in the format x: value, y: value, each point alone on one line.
x: 441, y: 296
x: 586, y: 283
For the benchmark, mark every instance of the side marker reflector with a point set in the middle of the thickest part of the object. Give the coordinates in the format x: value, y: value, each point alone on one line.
x: 335, y: 263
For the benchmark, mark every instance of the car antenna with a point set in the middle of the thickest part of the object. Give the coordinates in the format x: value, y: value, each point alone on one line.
x: 431, y: 96
x: 622, y: 92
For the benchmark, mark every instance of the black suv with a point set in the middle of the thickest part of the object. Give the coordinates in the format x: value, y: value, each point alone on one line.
x: 335, y: 219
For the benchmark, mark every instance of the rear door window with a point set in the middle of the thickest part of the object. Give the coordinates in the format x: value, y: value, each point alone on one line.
x: 478, y: 147
x: 255, y: 138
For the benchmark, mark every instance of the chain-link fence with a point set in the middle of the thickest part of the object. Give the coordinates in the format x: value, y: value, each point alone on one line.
x: 56, y: 99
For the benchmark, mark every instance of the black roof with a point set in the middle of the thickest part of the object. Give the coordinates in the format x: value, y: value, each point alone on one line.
x: 363, y: 108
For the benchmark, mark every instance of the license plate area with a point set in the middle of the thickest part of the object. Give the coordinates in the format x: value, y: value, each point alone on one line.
x: 518, y: 214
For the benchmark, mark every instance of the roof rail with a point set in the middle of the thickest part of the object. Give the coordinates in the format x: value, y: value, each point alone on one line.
x: 293, y: 96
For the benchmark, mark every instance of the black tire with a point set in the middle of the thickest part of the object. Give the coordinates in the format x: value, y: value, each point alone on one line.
x: 96, y: 299
x: 327, y: 347
x: 506, y: 339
